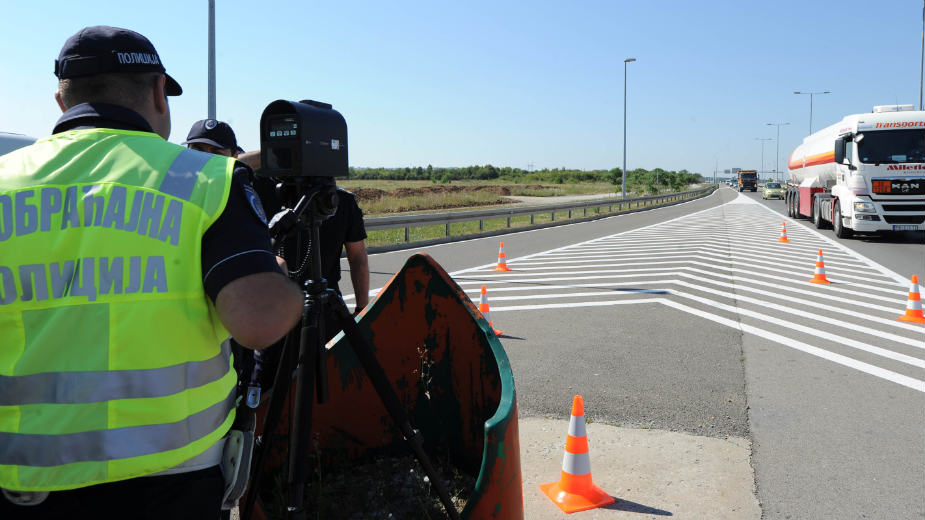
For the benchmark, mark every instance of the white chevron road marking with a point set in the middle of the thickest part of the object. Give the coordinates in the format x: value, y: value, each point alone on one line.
x: 728, y: 255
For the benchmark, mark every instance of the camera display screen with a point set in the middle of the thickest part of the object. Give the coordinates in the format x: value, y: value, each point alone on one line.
x: 283, y: 128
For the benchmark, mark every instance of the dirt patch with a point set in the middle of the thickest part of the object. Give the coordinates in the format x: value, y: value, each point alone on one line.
x: 368, y: 194
x: 371, y: 194
x: 387, y: 487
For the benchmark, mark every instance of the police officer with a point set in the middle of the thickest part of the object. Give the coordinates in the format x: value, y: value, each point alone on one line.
x: 126, y: 262
x: 211, y: 136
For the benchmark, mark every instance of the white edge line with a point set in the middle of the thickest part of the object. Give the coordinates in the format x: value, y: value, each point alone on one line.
x: 874, y: 265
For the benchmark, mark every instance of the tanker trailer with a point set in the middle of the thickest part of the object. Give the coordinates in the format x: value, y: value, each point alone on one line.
x: 865, y: 173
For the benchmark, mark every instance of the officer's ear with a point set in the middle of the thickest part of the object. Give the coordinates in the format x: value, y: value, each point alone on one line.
x: 156, y: 109
x: 160, y: 95
x: 60, y: 101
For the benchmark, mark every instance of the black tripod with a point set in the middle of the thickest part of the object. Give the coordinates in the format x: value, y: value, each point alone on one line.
x: 309, y: 360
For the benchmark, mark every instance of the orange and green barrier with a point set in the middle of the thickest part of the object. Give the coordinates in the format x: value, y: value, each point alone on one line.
x: 449, y: 370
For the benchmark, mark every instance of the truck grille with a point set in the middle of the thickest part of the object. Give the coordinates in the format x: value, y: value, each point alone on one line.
x: 904, y: 207
x: 898, y: 186
x: 904, y: 219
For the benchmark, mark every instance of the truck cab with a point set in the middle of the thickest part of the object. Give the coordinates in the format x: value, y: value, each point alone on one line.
x: 748, y: 180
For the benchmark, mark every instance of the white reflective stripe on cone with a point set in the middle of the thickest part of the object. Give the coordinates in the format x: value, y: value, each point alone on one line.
x: 576, y: 426
x: 576, y: 464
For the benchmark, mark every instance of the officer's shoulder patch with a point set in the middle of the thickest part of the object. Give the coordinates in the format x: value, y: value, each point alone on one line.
x: 254, y: 202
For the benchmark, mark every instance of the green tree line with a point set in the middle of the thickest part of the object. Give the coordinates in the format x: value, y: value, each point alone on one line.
x: 639, y: 180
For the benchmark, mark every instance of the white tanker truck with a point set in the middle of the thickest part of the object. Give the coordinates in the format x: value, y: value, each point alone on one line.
x: 865, y: 173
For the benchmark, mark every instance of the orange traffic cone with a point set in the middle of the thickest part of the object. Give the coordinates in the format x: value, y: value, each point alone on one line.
x: 819, y: 275
x: 575, y: 491
x: 783, y: 232
x: 914, y: 305
x: 483, y: 308
x: 502, y: 260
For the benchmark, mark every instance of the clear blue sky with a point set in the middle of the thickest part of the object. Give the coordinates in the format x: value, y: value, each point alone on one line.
x: 505, y: 83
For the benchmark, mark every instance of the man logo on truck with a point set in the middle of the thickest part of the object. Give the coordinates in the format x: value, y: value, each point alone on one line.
x: 904, y: 187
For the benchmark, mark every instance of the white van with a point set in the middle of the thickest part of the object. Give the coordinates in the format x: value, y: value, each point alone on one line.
x: 10, y: 142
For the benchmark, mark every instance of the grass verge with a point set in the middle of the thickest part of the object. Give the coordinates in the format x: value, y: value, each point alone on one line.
x: 386, y: 237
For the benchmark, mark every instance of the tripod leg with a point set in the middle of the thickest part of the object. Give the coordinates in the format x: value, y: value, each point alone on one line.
x: 389, y: 398
x: 278, y: 397
x: 309, y: 342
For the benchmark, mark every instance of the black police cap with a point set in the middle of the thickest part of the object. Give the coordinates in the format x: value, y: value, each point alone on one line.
x: 101, y: 49
x: 216, y: 133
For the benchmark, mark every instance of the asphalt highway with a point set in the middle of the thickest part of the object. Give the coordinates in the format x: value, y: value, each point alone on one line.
x: 694, y: 318
x: 902, y: 252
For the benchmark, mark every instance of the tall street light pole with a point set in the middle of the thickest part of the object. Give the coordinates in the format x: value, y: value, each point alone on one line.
x: 627, y: 60
x: 762, y: 139
x: 922, y: 59
x: 211, y: 59
x: 811, y: 94
x: 777, y: 159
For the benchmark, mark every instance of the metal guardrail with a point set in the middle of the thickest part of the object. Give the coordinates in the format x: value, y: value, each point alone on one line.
x: 447, y: 218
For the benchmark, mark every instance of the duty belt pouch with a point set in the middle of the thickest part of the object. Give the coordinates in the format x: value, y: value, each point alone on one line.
x: 236, y: 465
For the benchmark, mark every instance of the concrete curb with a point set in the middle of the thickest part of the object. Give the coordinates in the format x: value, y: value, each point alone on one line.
x: 653, y: 474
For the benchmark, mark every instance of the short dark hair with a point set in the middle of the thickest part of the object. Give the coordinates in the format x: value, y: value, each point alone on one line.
x: 117, y: 88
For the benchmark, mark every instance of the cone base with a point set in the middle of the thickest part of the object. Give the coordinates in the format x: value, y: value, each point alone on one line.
x: 783, y: 239
x: 912, y: 318
x: 820, y: 280
x: 572, y: 502
x: 499, y: 268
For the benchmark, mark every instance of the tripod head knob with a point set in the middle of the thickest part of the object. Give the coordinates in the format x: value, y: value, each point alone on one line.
x: 325, y: 201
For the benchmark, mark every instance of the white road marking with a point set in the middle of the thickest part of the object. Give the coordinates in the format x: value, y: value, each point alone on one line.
x: 730, y: 255
x: 489, y: 277
x: 882, y: 373
x: 852, y: 325
x: 873, y: 265
x: 726, y: 261
x: 493, y: 264
x: 867, y: 368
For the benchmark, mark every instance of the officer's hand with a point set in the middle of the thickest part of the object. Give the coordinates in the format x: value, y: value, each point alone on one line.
x: 251, y: 159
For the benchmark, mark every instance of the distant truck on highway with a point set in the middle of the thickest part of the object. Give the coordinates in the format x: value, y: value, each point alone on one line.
x: 865, y: 173
x: 748, y: 180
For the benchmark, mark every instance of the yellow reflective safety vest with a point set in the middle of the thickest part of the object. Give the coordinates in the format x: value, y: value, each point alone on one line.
x: 111, y: 365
